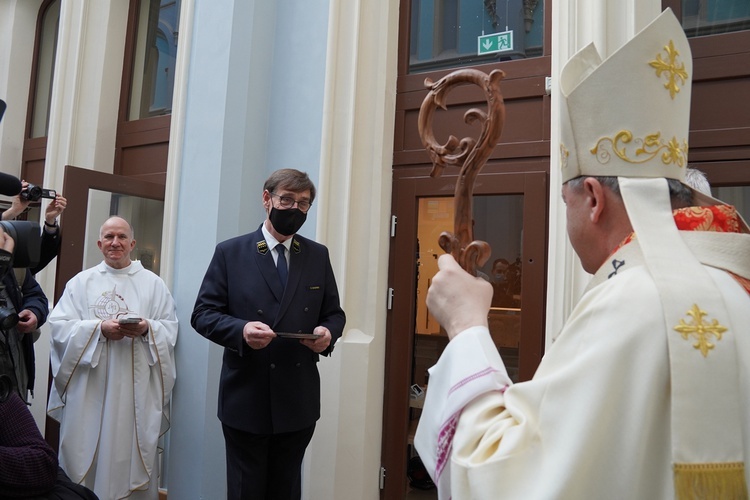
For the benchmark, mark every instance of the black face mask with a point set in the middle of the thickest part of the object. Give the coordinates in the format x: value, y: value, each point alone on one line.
x: 287, y: 222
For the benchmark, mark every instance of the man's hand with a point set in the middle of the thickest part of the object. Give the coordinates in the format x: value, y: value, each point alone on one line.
x: 321, y: 343
x: 18, y: 205
x: 113, y: 330
x: 27, y: 321
x: 55, y: 208
x: 257, y: 335
x: 457, y: 299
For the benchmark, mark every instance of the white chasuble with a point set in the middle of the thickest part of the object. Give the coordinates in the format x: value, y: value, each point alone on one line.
x: 111, y: 397
x: 595, y: 420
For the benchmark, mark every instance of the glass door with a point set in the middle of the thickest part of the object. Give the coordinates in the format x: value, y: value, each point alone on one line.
x: 510, y: 214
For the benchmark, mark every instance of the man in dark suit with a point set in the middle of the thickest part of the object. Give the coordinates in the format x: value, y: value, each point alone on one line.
x: 253, y: 296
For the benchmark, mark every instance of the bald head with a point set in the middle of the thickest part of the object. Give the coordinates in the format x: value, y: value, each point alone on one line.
x: 116, y: 242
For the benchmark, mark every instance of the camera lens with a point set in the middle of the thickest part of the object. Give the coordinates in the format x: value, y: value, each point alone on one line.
x: 31, y: 193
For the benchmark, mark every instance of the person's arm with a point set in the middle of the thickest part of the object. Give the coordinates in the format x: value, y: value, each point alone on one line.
x: 332, y: 317
x: 51, y: 233
x: 17, y: 206
x: 28, y: 465
x: 210, y: 316
x: 33, y: 301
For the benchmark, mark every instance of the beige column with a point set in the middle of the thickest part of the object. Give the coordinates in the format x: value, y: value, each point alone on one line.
x: 358, y: 117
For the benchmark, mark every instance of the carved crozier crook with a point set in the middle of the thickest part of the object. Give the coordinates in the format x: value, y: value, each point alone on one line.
x: 469, y: 154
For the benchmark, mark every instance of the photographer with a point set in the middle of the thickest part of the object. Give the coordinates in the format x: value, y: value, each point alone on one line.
x: 51, y: 232
x: 23, y: 309
x: 28, y: 465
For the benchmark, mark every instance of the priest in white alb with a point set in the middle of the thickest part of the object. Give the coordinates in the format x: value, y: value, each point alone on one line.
x: 112, y: 356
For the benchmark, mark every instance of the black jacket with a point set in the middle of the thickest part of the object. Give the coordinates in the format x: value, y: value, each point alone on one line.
x: 275, y: 389
x: 27, y: 296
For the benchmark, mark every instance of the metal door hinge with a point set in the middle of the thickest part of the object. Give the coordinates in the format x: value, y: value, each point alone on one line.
x: 548, y: 85
x: 393, y: 225
x: 390, y: 299
x: 382, y: 477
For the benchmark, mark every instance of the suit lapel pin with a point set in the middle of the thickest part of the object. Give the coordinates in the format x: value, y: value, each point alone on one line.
x: 262, y: 247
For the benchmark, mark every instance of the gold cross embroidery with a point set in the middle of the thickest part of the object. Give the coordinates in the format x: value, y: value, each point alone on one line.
x: 670, y: 66
x: 700, y: 330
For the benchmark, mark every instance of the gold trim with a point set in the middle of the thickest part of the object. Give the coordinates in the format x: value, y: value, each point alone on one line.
x: 670, y: 67
x: 671, y: 151
x: 700, y: 330
x: 564, y: 154
x: 710, y: 480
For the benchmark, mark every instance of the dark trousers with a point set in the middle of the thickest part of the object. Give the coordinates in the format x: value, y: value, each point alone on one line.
x: 265, y: 466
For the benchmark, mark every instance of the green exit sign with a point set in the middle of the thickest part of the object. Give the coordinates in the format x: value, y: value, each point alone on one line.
x: 495, y: 42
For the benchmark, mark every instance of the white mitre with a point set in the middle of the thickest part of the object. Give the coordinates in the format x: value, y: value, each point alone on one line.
x: 628, y: 117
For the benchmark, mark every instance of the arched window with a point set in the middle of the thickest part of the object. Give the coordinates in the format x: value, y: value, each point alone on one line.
x: 40, y: 94
x: 148, y: 84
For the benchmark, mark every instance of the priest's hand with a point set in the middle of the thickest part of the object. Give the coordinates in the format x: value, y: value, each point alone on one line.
x: 27, y: 321
x: 457, y: 299
x: 134, y: 330
x: 257, y: 335
x: 114, y: 330
x: 111, y: 329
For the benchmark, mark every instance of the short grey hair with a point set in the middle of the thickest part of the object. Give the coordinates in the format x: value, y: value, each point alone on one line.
x: 697, y: 180
x: 679, y: 193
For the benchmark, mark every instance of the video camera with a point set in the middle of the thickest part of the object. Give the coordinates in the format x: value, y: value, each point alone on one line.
x: 35, y: 193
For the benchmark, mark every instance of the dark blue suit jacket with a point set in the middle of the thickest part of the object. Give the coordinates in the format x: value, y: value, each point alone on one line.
x: 275, y: 389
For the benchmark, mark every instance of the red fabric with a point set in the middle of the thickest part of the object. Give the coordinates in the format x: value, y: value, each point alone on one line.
x: 719, y: 218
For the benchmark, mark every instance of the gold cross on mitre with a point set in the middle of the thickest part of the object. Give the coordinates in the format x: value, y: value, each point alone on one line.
x: 670, y: 66
x: 700, y: 330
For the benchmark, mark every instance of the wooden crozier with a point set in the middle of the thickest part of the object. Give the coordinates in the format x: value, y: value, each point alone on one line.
x: 468, y: 154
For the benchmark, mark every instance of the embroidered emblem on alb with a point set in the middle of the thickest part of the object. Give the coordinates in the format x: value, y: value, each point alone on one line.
x: 637, y: 150
x: 110, y: 305
x: 700, y: 330
x: 676, y: 75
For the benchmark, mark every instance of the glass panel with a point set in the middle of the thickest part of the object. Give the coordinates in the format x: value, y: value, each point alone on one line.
x: 154, y: 61
x: 498, y: 220
x: 145, y: 215
x: 446, y: 33
x: 45, y: 70
x: 701, y: 17
x: 737, y: 196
